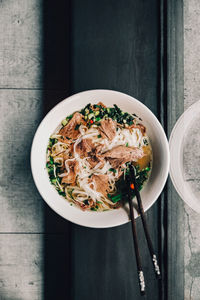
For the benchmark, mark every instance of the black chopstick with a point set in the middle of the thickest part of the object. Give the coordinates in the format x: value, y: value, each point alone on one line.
x: 144, y: 222
x: 135, y: 240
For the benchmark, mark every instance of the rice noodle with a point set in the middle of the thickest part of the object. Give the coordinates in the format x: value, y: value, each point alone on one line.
x: 59, y: 160
x: 84, y: 192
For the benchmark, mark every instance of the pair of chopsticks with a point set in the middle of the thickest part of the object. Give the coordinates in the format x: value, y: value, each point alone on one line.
x: 147, y: 235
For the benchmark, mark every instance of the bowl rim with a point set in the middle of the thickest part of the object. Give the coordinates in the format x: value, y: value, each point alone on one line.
x: 164, y: 140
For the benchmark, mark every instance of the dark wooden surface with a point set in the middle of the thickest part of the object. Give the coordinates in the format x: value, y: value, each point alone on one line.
x: 112, y: 48
x: 50, y: 50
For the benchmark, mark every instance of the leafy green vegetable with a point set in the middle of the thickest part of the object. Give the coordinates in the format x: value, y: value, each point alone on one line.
x: 51, y: 160
x: 93, y: 208
x: 77, y: 126
x: 141, y: 177
x: 61, y: 193
x: 52, y: 141
x: 53, y: 181
x: 113, y: 170
x: 116, y: 198
x: 114, y: 113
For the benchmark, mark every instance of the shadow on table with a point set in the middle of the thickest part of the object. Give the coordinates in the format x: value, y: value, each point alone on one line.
x: 57, y: 240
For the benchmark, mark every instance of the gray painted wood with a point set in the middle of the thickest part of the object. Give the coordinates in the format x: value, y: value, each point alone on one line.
x: 191, y: 95
x: 183, y: 223
x: 175, y: 106
x: 31, y: 268
x: 22, y: 209
x: 20, y: 43
x: 30, y: 60
x: 21, y: 266
x: 34, y: 44
x: 21, y: 205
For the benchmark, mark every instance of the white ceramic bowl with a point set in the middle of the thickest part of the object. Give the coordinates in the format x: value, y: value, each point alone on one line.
x: 149, y: 193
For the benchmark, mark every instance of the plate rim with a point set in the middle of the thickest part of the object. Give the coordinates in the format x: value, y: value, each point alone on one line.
x: 185, y: 196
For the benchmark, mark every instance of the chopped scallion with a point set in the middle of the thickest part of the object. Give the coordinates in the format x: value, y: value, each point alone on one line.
x: 64, y: 122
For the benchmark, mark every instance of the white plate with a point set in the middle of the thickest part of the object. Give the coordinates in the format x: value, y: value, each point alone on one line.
x: 74, y: 103
x: 185, y: 156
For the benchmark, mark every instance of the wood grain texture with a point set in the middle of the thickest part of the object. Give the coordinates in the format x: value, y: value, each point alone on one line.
x: 175, y: 107
x: 119, y: 51
x: 21, y: 44
x: 34, y: 44
x: 22, y: 209
x: 191, y: 95
x: 32, y: 269
x: 112, y: 45
x: 21, y: 267
x: 106, y: 258
x: 21, y: 205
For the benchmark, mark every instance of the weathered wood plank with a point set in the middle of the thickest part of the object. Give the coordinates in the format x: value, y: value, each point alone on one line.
x: 22, y: 209
x: 34, y: 266
x: 21, y: 266
x: 103, y: 263
x: 34, y: 44
x: 111, y: 52
x: 175, y: 106
x: 21, y: 44
x: 119, y: 51
x: 191, y: 95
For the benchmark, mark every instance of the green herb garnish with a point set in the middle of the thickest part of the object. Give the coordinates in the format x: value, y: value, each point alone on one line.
x: 77, y: 126
x: 113, y: 170
x: 52, y: 141
x: 93, y: 208
x: 51, y: 160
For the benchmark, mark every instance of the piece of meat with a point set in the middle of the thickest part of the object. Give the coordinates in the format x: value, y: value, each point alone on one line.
x: 141, y: 127
x: 116, y: 162
x: 70, y: 129
x: 84, y: 147
x: 108, y: 129
x: 94, y: 160
x: 101, y: 183
x: 122, y: 154
x: 95, y: 157
x: 73, y: 166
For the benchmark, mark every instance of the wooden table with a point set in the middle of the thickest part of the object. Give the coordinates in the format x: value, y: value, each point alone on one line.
x: 48, y: 51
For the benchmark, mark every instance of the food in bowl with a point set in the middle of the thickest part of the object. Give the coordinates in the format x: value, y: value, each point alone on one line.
x: 89, y: 154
